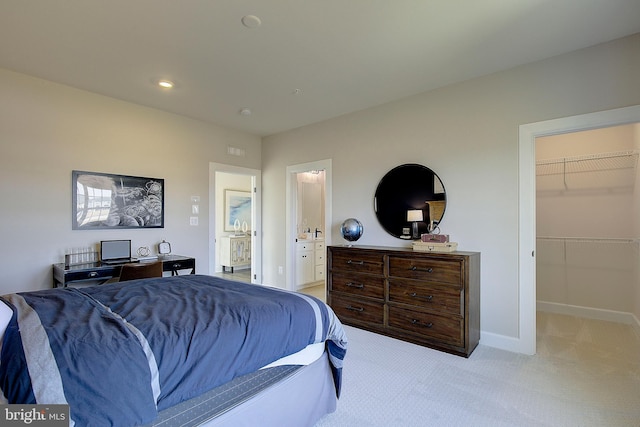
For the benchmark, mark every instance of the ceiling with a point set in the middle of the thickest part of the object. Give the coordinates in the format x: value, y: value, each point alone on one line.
x: 308, y: 61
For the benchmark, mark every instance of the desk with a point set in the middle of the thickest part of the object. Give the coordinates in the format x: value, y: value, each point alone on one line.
x: 100, y: 273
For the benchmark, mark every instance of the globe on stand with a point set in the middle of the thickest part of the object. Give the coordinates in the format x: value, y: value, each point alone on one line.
x: 351, y: 230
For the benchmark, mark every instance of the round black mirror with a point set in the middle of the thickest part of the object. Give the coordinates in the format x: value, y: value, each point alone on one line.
x: 410, y: 200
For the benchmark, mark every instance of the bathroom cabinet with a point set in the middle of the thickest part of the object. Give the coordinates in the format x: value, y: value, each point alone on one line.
x: 310, y: 262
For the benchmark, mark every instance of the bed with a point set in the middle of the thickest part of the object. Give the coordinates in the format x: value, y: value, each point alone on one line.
x: 183, y: 350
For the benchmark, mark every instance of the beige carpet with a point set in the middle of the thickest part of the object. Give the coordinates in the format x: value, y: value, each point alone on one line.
x: 586, y: 373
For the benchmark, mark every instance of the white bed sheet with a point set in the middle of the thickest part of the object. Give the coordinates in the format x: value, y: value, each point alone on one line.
x: 5, y: 317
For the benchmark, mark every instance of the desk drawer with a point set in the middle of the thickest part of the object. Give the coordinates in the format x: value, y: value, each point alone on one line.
x: 448, y: 330
x: 104, y: 273
x: 357, y: 310
x: 183, y: 264
x: 427, y: 269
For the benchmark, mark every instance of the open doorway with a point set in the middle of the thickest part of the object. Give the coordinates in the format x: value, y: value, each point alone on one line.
x: 526, y: 342
x: 586, y: 221
x: 308, y: 222
x: 587, y: 248
x: 235, y: 223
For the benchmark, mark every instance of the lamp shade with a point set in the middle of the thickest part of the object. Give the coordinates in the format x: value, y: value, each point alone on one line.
x: 414, y: 215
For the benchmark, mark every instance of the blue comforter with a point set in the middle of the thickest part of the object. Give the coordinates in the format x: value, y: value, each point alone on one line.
x: 119, y: 353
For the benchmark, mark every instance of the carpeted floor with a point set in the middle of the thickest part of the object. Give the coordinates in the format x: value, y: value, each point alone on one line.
x: 586, y: 373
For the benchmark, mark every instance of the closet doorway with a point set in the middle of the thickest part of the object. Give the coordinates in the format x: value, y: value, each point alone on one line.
x: 235, y: 246
x: 587, y: 223
x: 526, y: 342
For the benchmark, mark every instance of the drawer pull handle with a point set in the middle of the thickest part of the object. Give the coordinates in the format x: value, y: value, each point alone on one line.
x: 415, y: 295
x: 359, y: 309
x: 355, y: 262
x: 93, y: 274
x: 426, y: 325
x: 427, y: 270
x: 355, y: 285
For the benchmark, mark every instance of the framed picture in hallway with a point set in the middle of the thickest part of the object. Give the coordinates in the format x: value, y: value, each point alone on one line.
x: 237, y: 210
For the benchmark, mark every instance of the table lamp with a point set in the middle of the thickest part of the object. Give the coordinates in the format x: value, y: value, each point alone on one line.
x: 414, y: 216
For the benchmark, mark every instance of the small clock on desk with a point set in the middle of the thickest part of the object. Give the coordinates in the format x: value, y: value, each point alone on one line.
x: 164, y: 248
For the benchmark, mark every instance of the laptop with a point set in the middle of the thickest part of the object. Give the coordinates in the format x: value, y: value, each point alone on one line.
x: 116, y: 252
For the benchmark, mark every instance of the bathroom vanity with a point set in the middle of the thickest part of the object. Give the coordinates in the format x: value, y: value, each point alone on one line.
x: 310, y: 262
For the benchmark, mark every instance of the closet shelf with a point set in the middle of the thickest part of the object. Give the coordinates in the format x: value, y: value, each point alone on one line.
x: 588, y: 163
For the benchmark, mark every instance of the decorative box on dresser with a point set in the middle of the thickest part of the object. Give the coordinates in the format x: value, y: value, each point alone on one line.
x: 427, y: 298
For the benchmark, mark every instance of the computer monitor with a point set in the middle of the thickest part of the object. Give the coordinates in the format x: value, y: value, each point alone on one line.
x: 111, y: 250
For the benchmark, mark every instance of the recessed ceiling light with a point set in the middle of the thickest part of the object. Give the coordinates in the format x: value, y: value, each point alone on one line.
x: 167, y: 84
x: 245, y: 112
x: 251, y: 21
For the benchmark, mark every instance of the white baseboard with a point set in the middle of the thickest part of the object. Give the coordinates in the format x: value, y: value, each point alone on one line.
x: 516, y: 345
x: 590, y: 313
x: 503, y: 342
x: 310, y: 285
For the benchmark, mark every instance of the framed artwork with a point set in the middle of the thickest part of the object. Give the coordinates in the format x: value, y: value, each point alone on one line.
x: 108, y: 201
x: 237, y: 210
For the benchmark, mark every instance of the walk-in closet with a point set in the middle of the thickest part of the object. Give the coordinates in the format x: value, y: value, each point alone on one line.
x: 588, y: 224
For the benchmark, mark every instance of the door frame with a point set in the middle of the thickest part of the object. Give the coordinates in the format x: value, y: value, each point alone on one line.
x: 528, y: 133
x: 256, y: 218
x: 291, y: 204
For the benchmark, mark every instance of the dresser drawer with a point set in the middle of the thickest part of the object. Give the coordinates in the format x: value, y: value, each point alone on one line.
x: 448, y: 330
x: 356, y: 310
x: 441, y: 298
x: 358, y: 285
x: 358, y: 262
x: 432, y: 270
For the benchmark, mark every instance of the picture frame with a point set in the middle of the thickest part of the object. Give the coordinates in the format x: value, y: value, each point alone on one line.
x: 112, y: 201
x: 237, y: 206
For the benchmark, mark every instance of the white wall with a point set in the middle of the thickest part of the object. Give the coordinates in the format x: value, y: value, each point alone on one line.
x: 47, y: 130
x: 586, y: 202
x: 468, y: 134
x: 636, y: 226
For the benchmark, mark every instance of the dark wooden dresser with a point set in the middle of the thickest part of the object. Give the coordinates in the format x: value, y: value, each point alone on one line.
x: 427, y: 298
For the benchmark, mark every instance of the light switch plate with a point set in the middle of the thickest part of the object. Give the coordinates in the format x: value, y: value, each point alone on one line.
x: 193, y: 220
